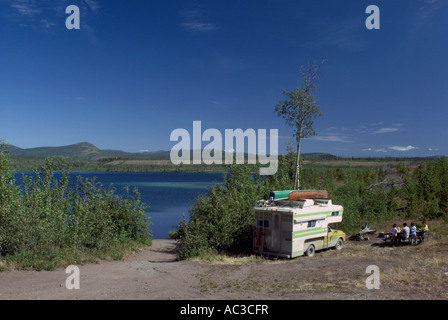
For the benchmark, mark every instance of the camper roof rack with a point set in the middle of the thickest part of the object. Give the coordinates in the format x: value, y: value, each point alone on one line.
x: 285, y: 203
x: 297, y: 195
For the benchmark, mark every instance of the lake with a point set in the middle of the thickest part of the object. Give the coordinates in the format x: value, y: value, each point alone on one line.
x: 168, y: 194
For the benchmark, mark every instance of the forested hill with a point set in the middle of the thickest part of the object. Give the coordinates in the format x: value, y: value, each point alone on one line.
x: 83, y: 151
x: 87, y: 151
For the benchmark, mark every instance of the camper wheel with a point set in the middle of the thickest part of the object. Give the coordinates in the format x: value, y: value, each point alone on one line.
x: 310, y: 250
x: 339, y: 244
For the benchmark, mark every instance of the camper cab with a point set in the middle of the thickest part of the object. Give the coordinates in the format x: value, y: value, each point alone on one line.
x: 293, y: 228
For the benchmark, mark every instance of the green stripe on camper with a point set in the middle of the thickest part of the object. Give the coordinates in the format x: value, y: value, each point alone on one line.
x: 306, y: 215
x: 309, y: 232
x: 321, y: 213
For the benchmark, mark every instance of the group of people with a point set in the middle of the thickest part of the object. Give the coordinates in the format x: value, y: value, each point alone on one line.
x: 406, y: 233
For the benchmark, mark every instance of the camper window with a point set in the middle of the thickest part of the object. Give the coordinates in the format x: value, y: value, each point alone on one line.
x: 335, y: 213
x: 311, y: 224
x: 263, y: 223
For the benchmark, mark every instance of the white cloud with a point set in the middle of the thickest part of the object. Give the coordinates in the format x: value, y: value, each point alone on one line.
x: 401, y: 148
x: 198, y: 26
x: 375, y: 150
x: 44, y: 14
x: 47, y: 24
x: 93, y: 5
x: 331, y: 138
x: 190, y: 14
x: 341, y: 34
x: 194, y: 21
x: 25, y: 7
x: 378, y: 128
x: 426, y: 13
x: 385, y: 130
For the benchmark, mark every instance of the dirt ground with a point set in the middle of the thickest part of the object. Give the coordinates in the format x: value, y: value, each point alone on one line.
x: 405, y: 273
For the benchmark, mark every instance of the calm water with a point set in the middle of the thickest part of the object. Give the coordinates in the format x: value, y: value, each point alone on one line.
x: 168, y: 194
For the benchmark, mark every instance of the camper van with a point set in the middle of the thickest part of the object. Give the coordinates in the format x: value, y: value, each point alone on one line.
x: 291, y: 226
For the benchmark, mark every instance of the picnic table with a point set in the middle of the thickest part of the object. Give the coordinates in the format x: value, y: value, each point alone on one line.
x: 421, y: 234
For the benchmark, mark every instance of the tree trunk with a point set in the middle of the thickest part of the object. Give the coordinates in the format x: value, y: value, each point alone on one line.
x: 296, y: 185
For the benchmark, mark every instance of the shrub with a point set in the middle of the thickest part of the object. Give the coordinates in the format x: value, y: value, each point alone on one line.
x: 47, y: 220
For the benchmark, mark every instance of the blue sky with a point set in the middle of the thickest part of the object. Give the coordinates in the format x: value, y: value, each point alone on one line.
x: 138, y: 69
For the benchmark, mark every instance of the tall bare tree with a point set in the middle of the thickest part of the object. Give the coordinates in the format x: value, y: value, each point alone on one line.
x: 300, y: 109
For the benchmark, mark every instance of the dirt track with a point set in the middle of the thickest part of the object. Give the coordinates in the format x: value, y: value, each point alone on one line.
x: 150, y: 274
x: 154, y: 274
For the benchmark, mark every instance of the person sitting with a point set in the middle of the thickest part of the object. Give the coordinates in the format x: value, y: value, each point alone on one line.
x: 425, y: 229
x: 394, y: 234
x: 404, y: 234
x: 413, y: 233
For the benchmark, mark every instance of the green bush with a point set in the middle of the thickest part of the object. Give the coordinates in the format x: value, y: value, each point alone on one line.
x: 47, y: 221
x: 426, y: 189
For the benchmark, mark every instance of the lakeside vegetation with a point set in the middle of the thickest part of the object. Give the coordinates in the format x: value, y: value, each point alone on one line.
x: 30, y: 163
x: 47, y: 222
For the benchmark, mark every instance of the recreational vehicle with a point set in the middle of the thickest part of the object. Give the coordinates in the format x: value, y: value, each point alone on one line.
x: 294, y: 223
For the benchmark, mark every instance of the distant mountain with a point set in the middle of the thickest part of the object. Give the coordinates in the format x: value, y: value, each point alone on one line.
x: 83, y: 151
x: 88, y: 151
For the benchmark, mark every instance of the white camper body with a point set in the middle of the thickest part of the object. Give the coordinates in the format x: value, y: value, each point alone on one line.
x: 294, y: 228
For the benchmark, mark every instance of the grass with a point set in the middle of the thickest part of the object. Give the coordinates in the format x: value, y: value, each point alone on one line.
x: 230, y: 259
x: 45, y: 258
x: 406, y: 272
x: 421, y: 270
